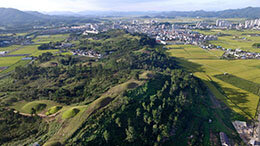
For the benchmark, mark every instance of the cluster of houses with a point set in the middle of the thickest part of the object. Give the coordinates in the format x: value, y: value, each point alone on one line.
x: 89, y: 53
x: 248, y: 133
x: 185, y: 37
x: 163, y: 32
x: 240, y: 54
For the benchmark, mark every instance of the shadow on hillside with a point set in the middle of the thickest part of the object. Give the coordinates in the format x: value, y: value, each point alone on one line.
x: 188, y: 65
x: 236, y: 97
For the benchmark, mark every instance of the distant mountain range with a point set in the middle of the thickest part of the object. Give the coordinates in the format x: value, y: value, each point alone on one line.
x: 249, y: 12
x: 14, y: 17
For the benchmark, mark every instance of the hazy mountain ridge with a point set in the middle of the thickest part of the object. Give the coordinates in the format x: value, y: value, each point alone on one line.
x: 14, y: 17
x: 249, y: 12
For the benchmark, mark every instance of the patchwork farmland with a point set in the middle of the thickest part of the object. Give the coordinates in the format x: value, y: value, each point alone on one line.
x: 207, y: 66
x: 14, y: 54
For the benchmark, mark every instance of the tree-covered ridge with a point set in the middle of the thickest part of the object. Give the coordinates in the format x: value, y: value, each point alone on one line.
x: 150, y: 115
x: 72, y: 79
x: 133, y: 95
x: 15, y: 127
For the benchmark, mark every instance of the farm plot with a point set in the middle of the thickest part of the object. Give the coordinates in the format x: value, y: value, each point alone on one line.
x: 8, y: 61
x: 207, y: 67
x: 234, y: 39
x: 10, y: 48
x: 50, y: 38
x: 26, y: 50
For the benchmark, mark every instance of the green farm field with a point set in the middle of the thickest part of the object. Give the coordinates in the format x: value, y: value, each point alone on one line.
x: 8, y: 61
x: 26, y: 50
x: 10, y: 48
x: 206, y: 65
x: 13, y: 66
x: 50, y: 38
x: 236, y: 40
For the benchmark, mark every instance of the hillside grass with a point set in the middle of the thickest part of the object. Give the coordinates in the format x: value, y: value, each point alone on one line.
x: 39, y: 105
x: 53, y: 110
x: 70, y: 113
x: 72, y: 120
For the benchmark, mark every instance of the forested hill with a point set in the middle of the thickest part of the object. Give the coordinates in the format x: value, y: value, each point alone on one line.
x: 13, y: 18
x: 133, y: 95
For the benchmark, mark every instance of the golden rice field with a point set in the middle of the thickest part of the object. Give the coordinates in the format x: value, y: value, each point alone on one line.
x: 206, y: 64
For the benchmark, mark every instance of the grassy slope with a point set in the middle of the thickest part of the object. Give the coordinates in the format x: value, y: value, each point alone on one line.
x: 70, y: 125
x: 239, y: 100
x: 53, y: 110
x: 25, y: 107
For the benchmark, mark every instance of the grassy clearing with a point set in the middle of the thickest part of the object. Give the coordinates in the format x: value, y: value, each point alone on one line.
x: 207, y: 67
x: 70, y: 113
x: 36, y: 106
x: 39, y: 105
x: 53, y: 110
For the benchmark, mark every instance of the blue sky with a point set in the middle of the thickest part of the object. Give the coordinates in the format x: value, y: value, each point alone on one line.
x: 128, y: 5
